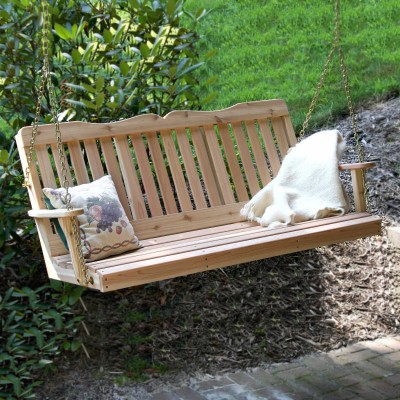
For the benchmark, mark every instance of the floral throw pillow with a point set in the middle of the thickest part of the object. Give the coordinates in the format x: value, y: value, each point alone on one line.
x: 104, y: 227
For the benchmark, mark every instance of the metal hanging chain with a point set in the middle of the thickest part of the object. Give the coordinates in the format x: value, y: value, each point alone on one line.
x: 360, y: 150
x: 46, y: 82
x: 346, y: 86
x: 324, y: 72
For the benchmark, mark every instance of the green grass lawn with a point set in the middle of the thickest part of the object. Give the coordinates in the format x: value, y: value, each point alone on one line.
x: 277, y: 49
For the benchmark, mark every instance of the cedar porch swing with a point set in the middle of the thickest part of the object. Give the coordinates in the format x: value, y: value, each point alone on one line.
x: 181, y: 233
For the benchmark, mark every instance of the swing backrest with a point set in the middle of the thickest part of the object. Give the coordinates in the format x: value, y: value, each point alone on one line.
x: 186, y: 171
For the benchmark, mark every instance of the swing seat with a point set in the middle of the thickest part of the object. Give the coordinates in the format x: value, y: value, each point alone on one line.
x: 182, y: 180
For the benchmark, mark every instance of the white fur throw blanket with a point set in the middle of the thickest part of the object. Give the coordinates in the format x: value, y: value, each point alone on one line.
x: 307, y: 186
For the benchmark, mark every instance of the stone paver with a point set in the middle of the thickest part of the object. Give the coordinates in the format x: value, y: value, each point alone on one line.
x: 365, y: 370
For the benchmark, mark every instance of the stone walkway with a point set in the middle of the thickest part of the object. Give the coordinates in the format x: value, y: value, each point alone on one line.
x: 367, y: 370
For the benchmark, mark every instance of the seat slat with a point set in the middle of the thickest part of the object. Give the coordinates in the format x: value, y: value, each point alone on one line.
x: 245, y: 155
x: 262, y: 166
x: 78, y: 163
x: 162, y: 173
x: 170, y: 266
x: 176, y: 171
x: 113, y: 169
x: 92, y: 152
x: 191, y: 169
x: 270, y: 146
x: 219, y: 165
x: 206, y: 168
x: 132, y: 185
x: 147, y: 176
x: 233, y: 163
x: 205, y: 238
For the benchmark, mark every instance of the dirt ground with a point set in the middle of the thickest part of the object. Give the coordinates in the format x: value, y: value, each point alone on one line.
x: 145, y: 339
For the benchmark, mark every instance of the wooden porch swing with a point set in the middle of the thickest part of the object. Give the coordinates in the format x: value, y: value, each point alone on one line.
x: 185, y: 210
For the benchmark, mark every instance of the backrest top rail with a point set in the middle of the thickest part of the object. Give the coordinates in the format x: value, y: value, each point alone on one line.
x: 73, y: 131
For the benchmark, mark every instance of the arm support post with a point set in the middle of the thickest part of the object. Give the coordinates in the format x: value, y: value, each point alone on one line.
x: 65, y: 218
x: 357, y: 179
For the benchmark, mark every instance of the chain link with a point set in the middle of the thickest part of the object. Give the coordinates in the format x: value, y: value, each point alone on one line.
x: 46, y: 82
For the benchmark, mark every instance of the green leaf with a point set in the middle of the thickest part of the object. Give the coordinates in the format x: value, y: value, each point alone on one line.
x: 190, y: 69
x: 75, y: 295
x: 171, y: 5
x: 44, y: 362
x: 144, y: 50
x: 112, y: 105
x: 75, y: 102
x: 99, y: 83
x: 108, y: 36
x: 89, y: 88
x: 75, y: 345
x: 134, y: 3
x: 3, y: 156
x: 99, y: 99
x: 63, y: 32
x: 124, y: 68
x: 88, y: 51
x: 88, y: 104
x: 38, y: 334
x: 76, y: 56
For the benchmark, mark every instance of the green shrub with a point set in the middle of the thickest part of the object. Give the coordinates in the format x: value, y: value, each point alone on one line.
x: 36, y: 326
x: 14, y: 224
x: 111, y: 60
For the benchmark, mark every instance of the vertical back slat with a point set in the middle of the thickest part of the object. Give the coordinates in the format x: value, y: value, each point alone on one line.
x: 162, y: 173
x: 206, y: 167
x: 291, y: 135
x: 150, y: 188
x: 92, y: 152
x: 233, y: 163
x: 176, y: 171
x: 132, y: 185
x: 113, y: 169
x: 45, y: 167
x: 191, y: 169
x: 219, y: 165
x: 280, y: 135
x: 56, y: 157
x: 270, y: 146
x: 78, y: 162
x: 245, y: 155
x: 262, y: 166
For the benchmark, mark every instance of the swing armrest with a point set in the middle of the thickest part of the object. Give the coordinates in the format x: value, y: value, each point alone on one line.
x: 357, y: 181
x: 355, y: 166
x: 58, y: 213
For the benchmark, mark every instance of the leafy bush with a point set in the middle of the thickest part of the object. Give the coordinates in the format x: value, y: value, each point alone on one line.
x: 111, y: 60
x: 36, y: 326
x: 14, y: 224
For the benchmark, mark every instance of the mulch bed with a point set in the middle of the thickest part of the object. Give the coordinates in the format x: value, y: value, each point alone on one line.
x: 262, y: 312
